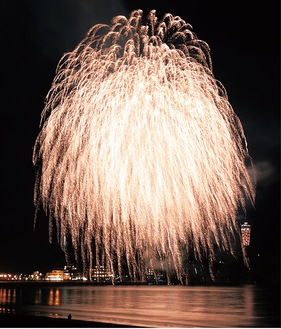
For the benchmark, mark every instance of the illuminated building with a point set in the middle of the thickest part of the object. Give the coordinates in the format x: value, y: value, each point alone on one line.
x: 71, y: 272
x: 99, y: 274
x: 8, y: 277
x: 35, y: 276
x: 246, y: 234
x: 55, y: 275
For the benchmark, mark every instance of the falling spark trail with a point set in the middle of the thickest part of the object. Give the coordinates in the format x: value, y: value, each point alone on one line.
x: 140, y: 152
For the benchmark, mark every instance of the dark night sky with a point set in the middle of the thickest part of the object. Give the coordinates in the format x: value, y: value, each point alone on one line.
x: 244, y: 44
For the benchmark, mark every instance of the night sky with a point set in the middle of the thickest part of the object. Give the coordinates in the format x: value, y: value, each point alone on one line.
x: 244, y: 42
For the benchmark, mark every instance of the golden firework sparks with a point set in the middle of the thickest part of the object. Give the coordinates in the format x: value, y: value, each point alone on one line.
x: 140, y: 152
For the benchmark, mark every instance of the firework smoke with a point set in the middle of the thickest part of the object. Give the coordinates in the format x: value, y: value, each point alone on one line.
x: 141, y: 157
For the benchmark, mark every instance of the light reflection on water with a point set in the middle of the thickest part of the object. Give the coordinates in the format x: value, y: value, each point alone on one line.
x: 148, y: 306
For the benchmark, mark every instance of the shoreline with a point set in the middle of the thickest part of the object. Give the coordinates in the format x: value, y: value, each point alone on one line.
x: 12, y: 320
x: 44, y: 283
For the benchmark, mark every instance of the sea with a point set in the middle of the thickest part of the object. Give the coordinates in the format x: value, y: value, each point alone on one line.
x: 152, y: 306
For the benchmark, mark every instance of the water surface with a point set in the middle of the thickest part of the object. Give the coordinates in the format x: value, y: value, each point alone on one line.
x: 149, y: 306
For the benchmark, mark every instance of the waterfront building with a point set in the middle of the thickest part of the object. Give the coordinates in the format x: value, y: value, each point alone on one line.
x: 36, y: 276
x: 71, y: 272
x: 100, y: 274
x: 9, y: 277
x: 55, y: 275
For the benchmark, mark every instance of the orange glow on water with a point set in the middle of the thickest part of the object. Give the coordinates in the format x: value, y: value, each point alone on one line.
x: 140, y: 151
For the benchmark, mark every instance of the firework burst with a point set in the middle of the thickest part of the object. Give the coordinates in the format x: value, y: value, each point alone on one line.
x: 140, y: 156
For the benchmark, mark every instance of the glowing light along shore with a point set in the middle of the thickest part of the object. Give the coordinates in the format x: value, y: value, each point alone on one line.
x: 141, y: 159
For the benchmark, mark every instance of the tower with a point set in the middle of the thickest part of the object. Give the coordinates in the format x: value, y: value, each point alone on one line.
x: 246, y: 234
